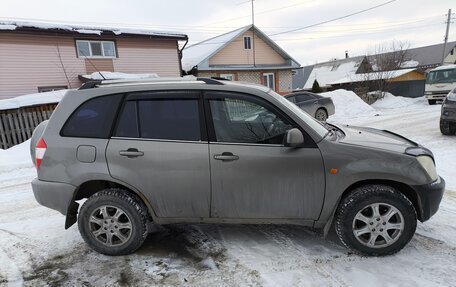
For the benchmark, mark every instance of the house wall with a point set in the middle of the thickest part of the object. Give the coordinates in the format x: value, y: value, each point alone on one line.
x: 29, y: 61
x: 235, y: 54
x: 283, y: 78
x: 412, y: 76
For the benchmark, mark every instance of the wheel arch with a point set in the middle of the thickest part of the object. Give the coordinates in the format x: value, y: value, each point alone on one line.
x: 90, y: 187
x: 403, y: 188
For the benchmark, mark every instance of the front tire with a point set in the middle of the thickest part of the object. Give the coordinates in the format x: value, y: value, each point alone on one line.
x: 447, y: 128
x: 113, y: 222
x: 321, y: 115
x: 375, y: 220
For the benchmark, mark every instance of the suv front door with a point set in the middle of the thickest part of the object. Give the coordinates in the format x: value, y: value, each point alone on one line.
x: 253, y: 175
x: 160, y: 147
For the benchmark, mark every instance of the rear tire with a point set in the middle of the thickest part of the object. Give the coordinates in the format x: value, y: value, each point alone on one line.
x: 447, y: 128
x: 113, y: 222
x: 321, y: 115
x: 375, y: 220
x: 432, y: 102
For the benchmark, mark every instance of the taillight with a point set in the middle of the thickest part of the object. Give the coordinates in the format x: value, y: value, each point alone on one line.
x: 39, y: 152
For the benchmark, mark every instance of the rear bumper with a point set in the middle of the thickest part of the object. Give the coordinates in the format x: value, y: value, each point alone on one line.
x: 429, y: 198
x: 448, y: 113
x: 55, y: 195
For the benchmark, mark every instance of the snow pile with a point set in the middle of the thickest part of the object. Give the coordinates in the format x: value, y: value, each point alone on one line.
x: 390, y: 101
x: 17, y: 157
x: 410, y: 64
x: 348, y: 104
x: 32, y: 100
x: 118, y: 76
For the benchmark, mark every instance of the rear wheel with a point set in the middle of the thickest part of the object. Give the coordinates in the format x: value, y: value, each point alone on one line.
x: 321, y: 115
x: 447, y: 128
x: 113, y: 222
x: 432, y: 102
x: 375, y: 220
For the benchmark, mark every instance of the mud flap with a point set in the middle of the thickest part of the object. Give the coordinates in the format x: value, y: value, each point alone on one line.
x: 72, y: 214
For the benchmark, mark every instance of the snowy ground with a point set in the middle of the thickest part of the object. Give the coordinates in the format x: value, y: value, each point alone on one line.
x: 36, y: 250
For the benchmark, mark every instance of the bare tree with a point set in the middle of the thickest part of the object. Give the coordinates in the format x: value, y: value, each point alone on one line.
x: 384, y: 61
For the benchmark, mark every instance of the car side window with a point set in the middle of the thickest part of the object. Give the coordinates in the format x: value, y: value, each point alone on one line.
x: 243, y: 121
x: 93, y: 119
x: 304, y: 97
x: 166, y: 119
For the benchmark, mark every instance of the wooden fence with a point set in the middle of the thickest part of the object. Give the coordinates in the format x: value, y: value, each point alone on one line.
x: 17, y: 125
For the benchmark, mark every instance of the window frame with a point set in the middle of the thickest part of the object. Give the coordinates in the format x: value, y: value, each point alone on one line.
x: 273, y: 80
x: 217, y: 94
x: 163, y: 94
x: 247, y: 43
x: 102, y: 49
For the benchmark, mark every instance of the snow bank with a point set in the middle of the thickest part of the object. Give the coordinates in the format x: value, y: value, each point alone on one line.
x: 17, y: 157
x: 118, y: 76
x: 390, y: 101
x: 348, y: 104
x: 32, y: 99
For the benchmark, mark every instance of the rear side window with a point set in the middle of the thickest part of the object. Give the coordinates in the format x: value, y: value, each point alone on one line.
x: 304, y: 97
x: 93, y: 119
x: 168, y: 119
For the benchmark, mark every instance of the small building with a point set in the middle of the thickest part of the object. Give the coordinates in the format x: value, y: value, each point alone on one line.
x: 345, y: 72
x: 245, y: 54
x: 404, y: 82
x: 38, y: 57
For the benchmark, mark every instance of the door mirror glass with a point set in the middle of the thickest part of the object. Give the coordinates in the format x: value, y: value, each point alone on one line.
x: 294, y: 138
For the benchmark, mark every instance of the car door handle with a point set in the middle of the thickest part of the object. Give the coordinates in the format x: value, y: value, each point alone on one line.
x: 131, y: 153
x: 226, y: 156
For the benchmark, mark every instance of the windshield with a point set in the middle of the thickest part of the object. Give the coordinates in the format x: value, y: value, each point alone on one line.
x: 312, y: 122
x: 441, y: 76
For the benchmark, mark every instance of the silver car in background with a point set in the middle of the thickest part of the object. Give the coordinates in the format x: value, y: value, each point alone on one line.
x: 315, y: 105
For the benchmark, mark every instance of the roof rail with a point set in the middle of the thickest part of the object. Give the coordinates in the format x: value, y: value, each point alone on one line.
x: 98, y: 83
x: 210, y: 81
x: 90, y: 84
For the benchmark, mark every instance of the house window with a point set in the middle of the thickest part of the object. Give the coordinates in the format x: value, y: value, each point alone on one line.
x: 96, y: 49
x: 51, y: 88
x: 247, y: 43
x: 227, y: 76
x: 269, y: 80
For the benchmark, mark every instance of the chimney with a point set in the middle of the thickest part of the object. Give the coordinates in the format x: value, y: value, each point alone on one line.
x: 346, y: 54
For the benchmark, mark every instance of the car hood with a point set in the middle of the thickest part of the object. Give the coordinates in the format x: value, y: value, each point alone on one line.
x: 375, y: 138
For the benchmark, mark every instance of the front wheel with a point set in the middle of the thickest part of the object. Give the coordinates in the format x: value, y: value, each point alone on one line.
x: 375, y: 220
x: 321, y: 115
x: 447, y: 128
x: 113, y: 222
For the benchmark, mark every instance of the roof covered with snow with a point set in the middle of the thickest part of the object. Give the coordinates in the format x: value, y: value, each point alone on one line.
x: 328, y: 72
x: 10, y: 25
x: 444, y: 67
x: 32, y: 100
x: 374, y: 75
x: 199, y: 54
x: 106, y: 75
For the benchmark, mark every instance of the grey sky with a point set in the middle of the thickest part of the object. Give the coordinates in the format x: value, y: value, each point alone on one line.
x: 417, y: 22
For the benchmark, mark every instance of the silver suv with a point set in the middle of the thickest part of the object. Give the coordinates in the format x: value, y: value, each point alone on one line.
x: 207, y: 151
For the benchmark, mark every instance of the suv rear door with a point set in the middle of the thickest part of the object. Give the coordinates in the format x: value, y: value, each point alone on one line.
x: 253, y: 174
x: 160, y: 147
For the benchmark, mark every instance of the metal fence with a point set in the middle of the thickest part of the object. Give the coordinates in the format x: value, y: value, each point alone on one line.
x: 17, y: 125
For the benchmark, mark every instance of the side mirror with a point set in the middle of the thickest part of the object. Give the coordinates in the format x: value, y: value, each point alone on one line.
x: 294, y: 138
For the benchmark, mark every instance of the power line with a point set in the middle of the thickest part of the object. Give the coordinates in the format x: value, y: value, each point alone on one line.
x: 334, y: 19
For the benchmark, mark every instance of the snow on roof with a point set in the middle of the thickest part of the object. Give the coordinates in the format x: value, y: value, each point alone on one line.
x: 326, y: 73
x: 84, y: 28
x: 196, y: 53
x: 32, y: 100
x: 375, y: 75
x: 444, y: 67
x: 104, y: 75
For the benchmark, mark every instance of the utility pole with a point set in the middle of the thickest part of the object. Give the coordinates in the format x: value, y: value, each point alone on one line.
x: 446, y: 35
x: 253, y: 30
